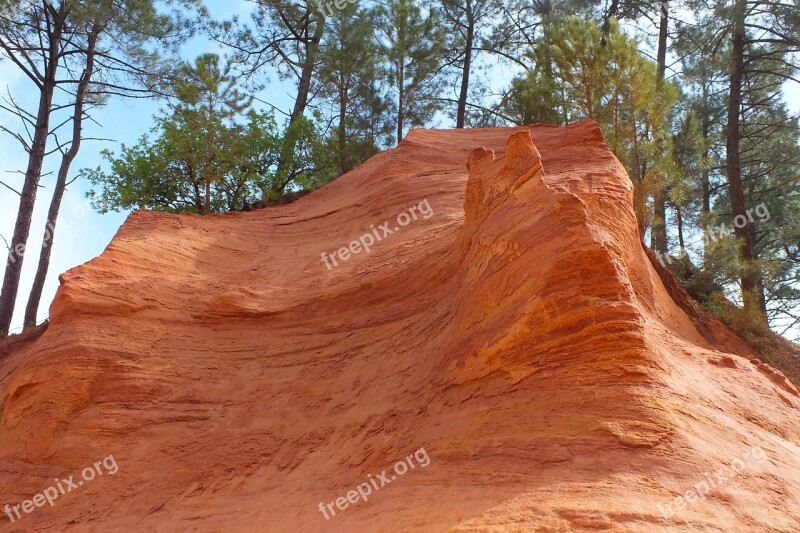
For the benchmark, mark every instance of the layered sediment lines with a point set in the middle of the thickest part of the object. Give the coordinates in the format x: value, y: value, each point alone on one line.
x: 514, y: 328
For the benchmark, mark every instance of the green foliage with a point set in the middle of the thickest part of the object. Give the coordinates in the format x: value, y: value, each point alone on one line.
x: 413, y: 45
x: 768, y: 149
x: 303, y: 170
x: 749, y: 323
x: 535, y: 98
x: 575, y: 77
x: 210, y: 154
x: 171, y: 169
x: 358, y: 112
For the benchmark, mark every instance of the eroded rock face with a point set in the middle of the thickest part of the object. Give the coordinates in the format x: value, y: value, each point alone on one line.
x: 514, y: 328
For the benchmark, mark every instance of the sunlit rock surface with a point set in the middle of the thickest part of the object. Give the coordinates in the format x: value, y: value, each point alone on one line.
x: 515, y: 329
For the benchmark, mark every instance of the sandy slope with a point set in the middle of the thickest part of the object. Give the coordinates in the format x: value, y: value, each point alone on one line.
x: 519, y: 334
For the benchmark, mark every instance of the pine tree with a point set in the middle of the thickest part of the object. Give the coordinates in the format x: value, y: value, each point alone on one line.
x: 412, y: 45
x: 764, y: 37
x: 349, y: 64
x: 285, y: 34
x: 612, y: 84
x: 211, y: 153
x: 467, y: 22
x: 208, y: 98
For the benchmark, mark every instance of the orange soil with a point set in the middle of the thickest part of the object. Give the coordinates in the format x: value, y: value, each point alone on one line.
x: 520, y: 335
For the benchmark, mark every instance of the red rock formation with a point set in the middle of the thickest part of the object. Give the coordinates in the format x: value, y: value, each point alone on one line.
x: 519, y: 334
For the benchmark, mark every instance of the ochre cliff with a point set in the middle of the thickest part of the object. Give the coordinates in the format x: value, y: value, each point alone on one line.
x: 515, y: 329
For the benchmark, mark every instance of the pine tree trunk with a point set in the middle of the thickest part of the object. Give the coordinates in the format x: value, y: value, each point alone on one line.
x: 304, y: 85
x: 588, y: 95
x: 462, y: 98
x: 658, y: 232
x: 344, y: 167
x: 661, y: 55
x: 639, y: 194
x: 400, y: 99
x: 33, y: 173
x: 301, y: 102
x: 35, y: 297
x: 749, y: 276
x: 706, y: 155
x: 32, y: 309
x: 706, y: 185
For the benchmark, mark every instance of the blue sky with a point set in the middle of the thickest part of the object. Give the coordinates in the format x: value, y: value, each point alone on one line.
x: 82, y: 234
